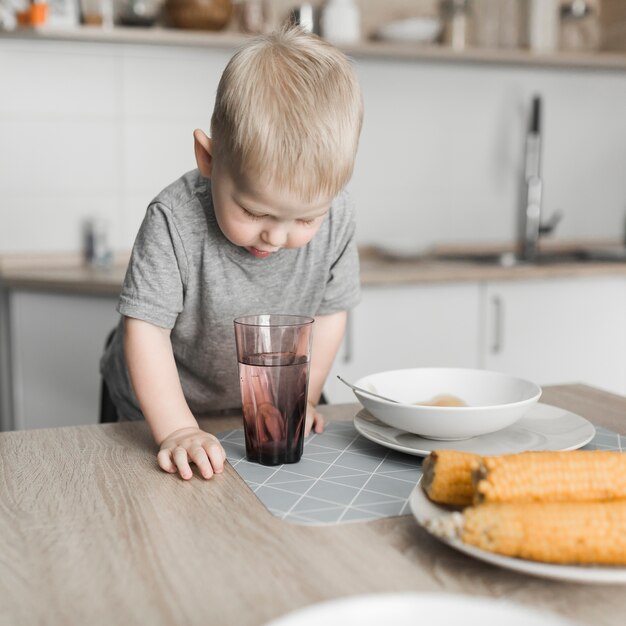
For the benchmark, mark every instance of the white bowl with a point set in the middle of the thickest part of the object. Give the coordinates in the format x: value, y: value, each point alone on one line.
x: 411, y: 30
x: 494, y: 400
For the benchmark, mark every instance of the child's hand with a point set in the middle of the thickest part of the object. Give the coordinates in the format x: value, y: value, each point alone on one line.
x: 314, y: 420
x: 191, y: 444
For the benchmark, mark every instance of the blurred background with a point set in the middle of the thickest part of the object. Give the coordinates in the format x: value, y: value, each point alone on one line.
x: 99, y: 99
x: 97, y: 127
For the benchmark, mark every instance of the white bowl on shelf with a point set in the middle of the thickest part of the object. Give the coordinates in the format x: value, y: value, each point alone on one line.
x: 410, y: 30
x: 492, y: 400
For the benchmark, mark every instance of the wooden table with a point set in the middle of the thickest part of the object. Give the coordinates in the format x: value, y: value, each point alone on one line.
x: 91, y: 532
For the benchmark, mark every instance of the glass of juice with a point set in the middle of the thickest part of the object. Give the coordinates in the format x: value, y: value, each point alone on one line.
x: 274, y: 353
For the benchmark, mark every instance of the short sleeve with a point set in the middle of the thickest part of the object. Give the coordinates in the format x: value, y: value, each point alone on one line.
x: 153, y: 288
x: 342, y: 290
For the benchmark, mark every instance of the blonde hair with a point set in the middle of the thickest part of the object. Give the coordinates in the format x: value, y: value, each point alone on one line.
x: 288, y: 108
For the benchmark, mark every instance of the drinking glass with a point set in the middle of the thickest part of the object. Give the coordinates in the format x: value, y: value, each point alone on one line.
x: 274, y: 353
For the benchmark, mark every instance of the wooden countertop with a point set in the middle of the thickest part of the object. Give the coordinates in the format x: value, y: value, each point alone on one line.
x: 91, y: 532
x: 377, y: 272
x: 62, y: 274
x: 67, y: 274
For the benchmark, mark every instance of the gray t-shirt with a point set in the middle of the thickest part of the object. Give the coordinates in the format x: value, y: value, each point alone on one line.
x: 186, y: 276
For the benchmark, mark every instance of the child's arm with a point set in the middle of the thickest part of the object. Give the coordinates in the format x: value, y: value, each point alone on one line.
x: 154, y: 377
x: 328, y: 332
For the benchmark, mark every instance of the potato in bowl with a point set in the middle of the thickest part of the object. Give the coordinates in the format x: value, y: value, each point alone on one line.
x: 447, y: 403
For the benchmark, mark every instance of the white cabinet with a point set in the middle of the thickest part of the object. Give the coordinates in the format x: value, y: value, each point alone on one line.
x: 56, y: 344
x: 408, y: 326
x: 558, y: 330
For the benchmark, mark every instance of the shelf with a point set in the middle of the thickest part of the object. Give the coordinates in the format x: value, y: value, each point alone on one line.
x: 370, y: 50
x: 156, y: 36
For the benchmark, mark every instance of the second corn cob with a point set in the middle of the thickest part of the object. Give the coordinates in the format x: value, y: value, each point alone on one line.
x: 577, y: 533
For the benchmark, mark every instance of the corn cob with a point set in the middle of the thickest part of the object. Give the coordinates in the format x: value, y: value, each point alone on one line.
x: 551, y: 477
x: 577, y: 533
x: 448, y: 476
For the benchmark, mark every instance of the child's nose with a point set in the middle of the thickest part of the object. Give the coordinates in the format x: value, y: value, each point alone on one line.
x: 275, y: 236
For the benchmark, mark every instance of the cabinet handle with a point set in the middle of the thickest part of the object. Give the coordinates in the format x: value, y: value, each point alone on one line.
x: 7, y: 388
x: 347, y: 341
x: 496, y: 346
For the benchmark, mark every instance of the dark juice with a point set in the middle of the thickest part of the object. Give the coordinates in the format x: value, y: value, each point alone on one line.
x: 274, y: 391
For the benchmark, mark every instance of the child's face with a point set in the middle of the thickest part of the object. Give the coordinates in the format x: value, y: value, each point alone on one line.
x: 261, y: 219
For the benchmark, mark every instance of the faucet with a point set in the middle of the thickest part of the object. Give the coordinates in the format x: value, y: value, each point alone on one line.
x: 531, y: 227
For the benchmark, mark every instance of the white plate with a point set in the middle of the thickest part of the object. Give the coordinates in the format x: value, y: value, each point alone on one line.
x: 424, y: 511
x: 544, y: 427
x: 408, y: 609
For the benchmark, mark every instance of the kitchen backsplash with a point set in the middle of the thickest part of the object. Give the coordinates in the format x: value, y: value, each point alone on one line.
x: 98, y: 129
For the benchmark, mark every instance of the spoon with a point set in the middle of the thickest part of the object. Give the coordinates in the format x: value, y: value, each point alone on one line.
x: 369, y: 393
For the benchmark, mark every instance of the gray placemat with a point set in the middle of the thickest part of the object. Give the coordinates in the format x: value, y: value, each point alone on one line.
x: 343, y: 477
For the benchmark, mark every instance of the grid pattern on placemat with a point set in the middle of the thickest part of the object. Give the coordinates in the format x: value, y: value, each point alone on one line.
x: 344, y: 477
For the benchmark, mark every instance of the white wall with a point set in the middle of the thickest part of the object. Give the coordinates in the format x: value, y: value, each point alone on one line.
x: 99, y: 129
x: 442, y: 150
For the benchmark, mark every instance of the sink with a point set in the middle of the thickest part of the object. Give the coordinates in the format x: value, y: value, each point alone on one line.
x: 552, y: 257
x: 581, y: 255
x: 509, y: 259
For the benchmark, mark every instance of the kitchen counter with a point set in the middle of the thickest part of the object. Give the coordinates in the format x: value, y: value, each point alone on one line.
x: 66, y: 273
x: 62, y: 274
x: 377, y: 269
x: 92, y: 532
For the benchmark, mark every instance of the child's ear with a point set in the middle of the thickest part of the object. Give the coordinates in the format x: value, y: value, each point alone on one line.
x: 203, y: 148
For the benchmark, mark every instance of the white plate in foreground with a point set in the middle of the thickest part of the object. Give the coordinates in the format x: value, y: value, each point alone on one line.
x: 544, y: 427
x: 424, y: 511
x: 408, y: 609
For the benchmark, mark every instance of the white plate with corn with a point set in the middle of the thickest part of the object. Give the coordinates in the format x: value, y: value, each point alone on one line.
x: 559, y: 515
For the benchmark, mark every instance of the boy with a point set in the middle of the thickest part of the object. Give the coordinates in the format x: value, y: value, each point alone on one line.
x: 262, y: 226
